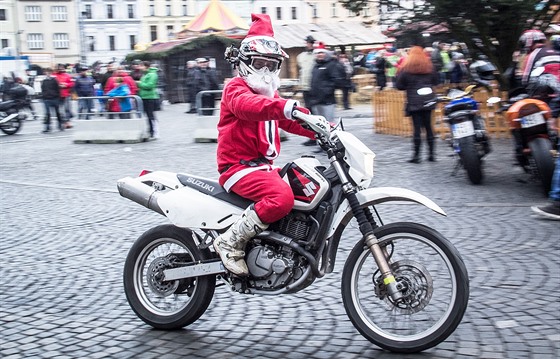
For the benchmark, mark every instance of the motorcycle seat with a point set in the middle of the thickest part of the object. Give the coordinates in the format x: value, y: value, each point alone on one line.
x: 461, y: 113
x: 213, y: 188
x: 4, y: 105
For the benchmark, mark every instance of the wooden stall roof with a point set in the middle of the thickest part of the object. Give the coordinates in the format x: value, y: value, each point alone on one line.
x: 332, y: 34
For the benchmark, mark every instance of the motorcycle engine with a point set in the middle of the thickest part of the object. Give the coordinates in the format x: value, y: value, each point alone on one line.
x: 272, y: 266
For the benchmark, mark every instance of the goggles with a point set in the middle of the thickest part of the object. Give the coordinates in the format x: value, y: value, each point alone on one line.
x: 258, y: 62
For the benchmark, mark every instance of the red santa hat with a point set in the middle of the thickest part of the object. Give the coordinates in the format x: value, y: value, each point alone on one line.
x: 260, y: 26
x: 260, y: 38
x: 320, y: 48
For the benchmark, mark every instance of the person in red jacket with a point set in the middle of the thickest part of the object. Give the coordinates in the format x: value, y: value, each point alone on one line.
x: 111, y: 83
x: 251, y: 113
x: 66, y: 84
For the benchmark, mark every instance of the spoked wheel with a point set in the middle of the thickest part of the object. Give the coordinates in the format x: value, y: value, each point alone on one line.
x: 433, y: 281
x: 166, y: 304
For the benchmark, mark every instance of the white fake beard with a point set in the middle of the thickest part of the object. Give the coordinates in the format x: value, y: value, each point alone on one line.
x: 265, y: 83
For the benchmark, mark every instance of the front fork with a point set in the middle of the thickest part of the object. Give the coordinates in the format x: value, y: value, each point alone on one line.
x: 379, y: 254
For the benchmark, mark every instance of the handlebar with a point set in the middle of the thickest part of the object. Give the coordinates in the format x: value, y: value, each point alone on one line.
x: 317, y: 124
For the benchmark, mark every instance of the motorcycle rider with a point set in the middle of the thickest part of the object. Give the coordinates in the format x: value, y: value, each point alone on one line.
x: 248, y: 141
x: 540, y: 54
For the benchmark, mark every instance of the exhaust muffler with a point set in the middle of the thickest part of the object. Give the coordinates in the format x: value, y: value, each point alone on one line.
x: 140, y: 193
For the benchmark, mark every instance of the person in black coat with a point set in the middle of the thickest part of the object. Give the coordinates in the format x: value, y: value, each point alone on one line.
x: 326, y: 77
x: 50, y: 92
x: 206, y: 79
x: 417, y: 77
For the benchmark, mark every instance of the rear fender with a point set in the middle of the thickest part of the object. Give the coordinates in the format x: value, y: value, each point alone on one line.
x: 374, y: 196
x: 187, y: 207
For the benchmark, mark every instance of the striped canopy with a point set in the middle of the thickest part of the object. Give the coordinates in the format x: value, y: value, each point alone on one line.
x: 216, y: 17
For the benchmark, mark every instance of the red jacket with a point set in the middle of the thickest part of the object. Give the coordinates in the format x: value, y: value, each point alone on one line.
x: 65, y: 82
x: 249, y: 129
x: 111, y: 84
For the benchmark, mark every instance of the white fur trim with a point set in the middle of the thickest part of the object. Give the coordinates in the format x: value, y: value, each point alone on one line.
x: 288, y: 107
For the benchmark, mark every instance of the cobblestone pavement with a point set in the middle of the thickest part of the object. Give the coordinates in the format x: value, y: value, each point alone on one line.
x: 66, y: 232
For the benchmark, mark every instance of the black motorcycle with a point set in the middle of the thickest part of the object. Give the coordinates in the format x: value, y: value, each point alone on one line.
x: 12, y: 112
x: 469, y: 140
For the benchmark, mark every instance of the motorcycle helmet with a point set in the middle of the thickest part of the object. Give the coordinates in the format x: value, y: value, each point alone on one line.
x: 531, y: 37
x: 484, y: 70
x: 259, y: 51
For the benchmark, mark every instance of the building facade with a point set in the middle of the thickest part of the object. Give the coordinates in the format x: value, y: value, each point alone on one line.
x: 45, y: 30
x: 88, y: 31
x: 109, y: 29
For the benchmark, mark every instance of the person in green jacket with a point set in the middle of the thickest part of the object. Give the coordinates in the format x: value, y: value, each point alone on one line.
x: 147, y: 90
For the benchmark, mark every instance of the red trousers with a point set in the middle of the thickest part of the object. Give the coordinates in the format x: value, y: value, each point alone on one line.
x: 273, y: 197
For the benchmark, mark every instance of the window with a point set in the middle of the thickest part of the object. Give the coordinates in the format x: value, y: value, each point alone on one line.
x: 5, y: 43
x: 152, y: 10
x: 153, y: 33
x: 3, y: 15
x: 294, y: 13
x: 59, y: 13
x: 167, y: 10
x: 91, y: 43
x: 132, y: 41
x: 130, y: 11
x: 35, y: 41
x: 263, y: 10
x: 87, y: 12
x: 109, y: 11
x: 170, y: 32
x: 61, y: 41
x: 278, y: 13
x: 185, y: 12
x: 111, y: 43
x: 333, y: 9
x: 33, y: 13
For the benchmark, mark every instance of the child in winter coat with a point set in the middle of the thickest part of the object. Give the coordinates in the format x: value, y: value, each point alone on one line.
x: 122, y: 104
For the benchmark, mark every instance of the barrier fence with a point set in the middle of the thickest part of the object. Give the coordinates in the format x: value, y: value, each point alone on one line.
x: 389, y: 117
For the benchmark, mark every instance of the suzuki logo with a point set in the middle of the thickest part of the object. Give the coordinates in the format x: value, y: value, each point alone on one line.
x: 200, y: 184
x: 309, y: 189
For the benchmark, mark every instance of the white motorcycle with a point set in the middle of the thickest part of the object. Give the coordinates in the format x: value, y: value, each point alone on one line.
x: 404, y: 285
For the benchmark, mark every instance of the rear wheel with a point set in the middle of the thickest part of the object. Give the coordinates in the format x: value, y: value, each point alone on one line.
x: 166, y: 304
x: 541, y: 151
x: 471, y: 160
x: 12, y: 126
x: 434, y: 284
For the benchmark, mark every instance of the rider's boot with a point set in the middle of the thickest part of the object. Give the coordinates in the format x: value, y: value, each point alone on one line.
x: 231, y: 244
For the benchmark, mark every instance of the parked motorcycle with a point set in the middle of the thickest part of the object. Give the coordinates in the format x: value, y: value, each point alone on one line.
x: 12, y: 112
x: 404, y: 285
x: 469, y: 139
x: 532, y: 126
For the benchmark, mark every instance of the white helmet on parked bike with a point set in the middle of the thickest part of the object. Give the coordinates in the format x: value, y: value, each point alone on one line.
x: 259, y: 50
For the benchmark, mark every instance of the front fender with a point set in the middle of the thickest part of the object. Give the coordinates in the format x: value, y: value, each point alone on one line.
x: 373, y: 196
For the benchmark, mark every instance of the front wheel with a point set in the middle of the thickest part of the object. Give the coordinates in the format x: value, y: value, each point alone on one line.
x: 12, y: 126
x: 166, y: 304
x: 541, y: 150
x: 434, y: 284
x: 471, y: 160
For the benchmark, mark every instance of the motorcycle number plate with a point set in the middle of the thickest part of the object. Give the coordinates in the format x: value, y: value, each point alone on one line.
x: 462, y: 129
x: 532, y: 120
